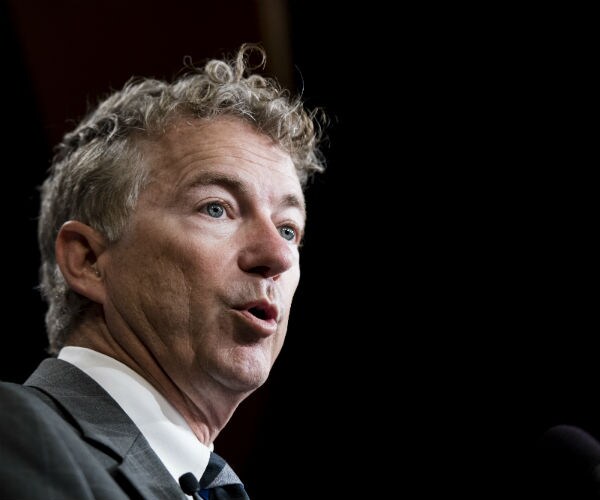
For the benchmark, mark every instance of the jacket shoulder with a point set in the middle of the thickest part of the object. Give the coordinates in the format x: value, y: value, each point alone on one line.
x: 38, y: 443
x: 20, y: 401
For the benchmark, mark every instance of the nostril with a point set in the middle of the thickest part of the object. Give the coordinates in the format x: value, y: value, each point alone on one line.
x: 261, y: 270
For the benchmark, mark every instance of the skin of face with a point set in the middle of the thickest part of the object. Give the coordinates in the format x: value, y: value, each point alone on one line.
x: 201, y: 283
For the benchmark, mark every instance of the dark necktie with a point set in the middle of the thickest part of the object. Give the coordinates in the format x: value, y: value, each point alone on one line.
x: 219, y: 482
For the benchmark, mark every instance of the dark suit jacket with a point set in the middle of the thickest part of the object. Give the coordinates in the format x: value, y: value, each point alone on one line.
x: 63, y: 437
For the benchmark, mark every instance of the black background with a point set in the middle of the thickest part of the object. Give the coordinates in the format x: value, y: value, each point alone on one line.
x: 447, y: 311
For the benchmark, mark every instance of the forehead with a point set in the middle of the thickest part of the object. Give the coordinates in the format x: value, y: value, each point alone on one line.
x: 193, y: 151
x: 224, y: 144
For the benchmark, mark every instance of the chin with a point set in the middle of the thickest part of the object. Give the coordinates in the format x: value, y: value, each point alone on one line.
x: 244, y: 381
x: 244, y: 375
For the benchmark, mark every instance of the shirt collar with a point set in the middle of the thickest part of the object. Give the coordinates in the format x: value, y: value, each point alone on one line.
x: 166, y: 431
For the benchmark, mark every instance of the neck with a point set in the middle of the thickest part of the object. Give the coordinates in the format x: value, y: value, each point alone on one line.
x: 206, y: 405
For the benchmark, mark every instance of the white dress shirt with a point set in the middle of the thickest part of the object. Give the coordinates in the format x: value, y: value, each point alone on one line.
x: 168, y: 434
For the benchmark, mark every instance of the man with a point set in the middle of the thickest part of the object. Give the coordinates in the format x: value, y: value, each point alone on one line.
x: 169, y: 232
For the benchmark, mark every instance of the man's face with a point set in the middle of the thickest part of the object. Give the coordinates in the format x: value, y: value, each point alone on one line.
x: 206, y: 269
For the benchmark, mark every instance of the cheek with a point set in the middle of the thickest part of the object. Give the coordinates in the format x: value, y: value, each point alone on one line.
x: 150, y: 282
x: 291, y: 284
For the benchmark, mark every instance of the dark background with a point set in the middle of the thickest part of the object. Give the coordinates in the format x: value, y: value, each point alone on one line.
x: 447, y: 311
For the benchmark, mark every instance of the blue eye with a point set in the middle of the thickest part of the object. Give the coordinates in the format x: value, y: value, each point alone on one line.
x: 287, y: 233
x: 215, y: 210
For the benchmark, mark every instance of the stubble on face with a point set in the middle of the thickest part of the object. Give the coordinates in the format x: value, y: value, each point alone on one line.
x: 179, y: 274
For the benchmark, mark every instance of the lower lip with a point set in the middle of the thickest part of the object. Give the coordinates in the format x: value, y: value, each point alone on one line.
x: 264, y: 327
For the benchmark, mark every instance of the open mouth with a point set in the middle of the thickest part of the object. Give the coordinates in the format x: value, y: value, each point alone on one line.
x: 260, y: 317
x: 258, y: 312
x: 263, y: 312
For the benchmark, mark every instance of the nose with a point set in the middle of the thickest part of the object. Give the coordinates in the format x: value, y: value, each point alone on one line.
x: 265, y: 251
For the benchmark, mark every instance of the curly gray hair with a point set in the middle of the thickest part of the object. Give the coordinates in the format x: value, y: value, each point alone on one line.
x: 97, y: 172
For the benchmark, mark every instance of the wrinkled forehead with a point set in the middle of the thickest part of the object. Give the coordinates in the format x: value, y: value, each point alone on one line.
x: 223, y: 150
x: 199, y: 139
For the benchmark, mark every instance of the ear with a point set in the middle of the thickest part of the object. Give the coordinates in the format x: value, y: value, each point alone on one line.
x: 78, y: 248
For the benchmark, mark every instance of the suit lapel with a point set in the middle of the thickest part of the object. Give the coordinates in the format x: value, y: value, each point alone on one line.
x: 106, y: 426
x: 151, y: 482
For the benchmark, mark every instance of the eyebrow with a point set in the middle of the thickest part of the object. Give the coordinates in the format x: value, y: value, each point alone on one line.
x: 234, y: 184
